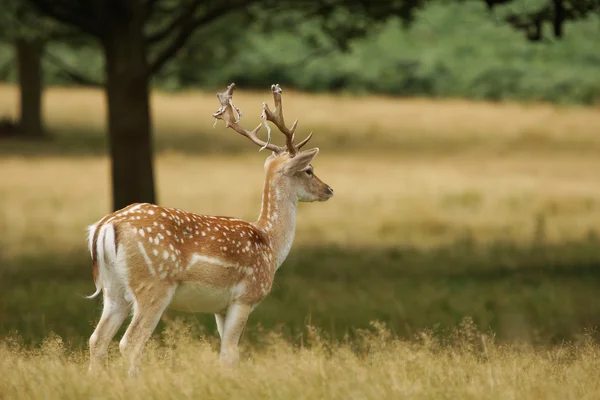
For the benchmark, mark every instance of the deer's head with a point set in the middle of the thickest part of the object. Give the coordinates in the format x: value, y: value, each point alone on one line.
x: 296, y: 174
x: 289, y: 166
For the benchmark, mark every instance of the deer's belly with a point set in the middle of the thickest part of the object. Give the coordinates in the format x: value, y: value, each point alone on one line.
x: 197, y: 297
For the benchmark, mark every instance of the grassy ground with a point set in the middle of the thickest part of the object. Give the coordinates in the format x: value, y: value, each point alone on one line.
x: 183, y: 123
x: 376, y: 366
x: 442, y: 210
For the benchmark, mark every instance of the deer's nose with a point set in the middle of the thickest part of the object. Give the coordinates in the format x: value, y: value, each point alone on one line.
x: 329, y: 189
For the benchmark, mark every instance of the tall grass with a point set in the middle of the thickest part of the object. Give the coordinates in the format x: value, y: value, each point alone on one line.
x: 376, y: 366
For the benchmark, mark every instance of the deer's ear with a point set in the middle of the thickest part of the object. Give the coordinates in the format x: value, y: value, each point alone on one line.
x: 300, y: 162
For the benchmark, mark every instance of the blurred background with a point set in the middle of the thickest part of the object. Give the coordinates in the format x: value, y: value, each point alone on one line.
x: 461, y: 138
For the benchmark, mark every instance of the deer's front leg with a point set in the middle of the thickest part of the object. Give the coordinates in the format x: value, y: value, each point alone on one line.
x: 235, y: 321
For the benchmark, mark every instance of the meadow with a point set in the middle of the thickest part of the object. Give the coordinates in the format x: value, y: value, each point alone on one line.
x: 375, y: 366
x: 445, y: 212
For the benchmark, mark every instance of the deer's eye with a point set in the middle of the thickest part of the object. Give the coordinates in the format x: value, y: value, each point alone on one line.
x: 309, y: 171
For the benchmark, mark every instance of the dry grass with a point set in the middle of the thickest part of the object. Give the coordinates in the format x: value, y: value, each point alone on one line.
x: 386, y: 196
x: 377, y: 366
x: 339, y: 121
x: 378, y: 201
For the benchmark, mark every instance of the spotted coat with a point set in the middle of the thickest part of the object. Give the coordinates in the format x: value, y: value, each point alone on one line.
x: 171, y: 242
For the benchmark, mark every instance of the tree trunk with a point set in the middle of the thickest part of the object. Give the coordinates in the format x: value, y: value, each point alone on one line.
x: 559, y: 18
x: 29, y: 64
x: 129, y: 121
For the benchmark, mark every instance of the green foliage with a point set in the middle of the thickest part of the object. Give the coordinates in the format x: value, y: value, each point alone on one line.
x: 19, y: 21
x: 455, y: 50
x: 450, y: 50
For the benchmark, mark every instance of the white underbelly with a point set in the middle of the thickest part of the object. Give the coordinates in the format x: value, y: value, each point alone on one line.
x: 198, y: 298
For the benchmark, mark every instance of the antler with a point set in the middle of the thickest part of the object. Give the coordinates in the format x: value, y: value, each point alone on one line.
x: 226, y: 113
x: 276, y: 117
x: 227, y: 110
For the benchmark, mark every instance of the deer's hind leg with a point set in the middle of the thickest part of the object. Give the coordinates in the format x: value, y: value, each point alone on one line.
x: 114, y: 312
x: 149, y: 306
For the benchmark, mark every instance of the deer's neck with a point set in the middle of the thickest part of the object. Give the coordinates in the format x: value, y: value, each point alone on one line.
x: 277, y: 219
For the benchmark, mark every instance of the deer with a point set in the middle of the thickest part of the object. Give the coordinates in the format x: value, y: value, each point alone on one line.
x: 148, y: 258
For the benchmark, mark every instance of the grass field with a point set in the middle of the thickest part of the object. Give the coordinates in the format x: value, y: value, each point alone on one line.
x: 375, y: 366
x: 183, y: 123
x: 443, y: 210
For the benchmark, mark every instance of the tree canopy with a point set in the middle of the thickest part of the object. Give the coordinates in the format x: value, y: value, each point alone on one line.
x: 530, y: 16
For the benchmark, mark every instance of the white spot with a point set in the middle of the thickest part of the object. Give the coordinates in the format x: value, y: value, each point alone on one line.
x: 142, y: 233
x: 155, y: 252
x: 151, y: 212
x: 149, y: 229
x: 168, y: 232
x: 135, y: 207
x: 203, y: 233
x: 173, y: 257
x: 165, y: 254
x: 155, y: 223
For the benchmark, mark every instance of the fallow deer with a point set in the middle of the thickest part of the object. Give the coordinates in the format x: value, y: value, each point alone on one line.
x: 151, y: 258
